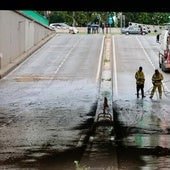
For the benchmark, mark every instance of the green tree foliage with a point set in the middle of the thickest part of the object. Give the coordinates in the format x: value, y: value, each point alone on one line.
x: 82, y: 18
x: 151, y: 18
x: 78, y: 18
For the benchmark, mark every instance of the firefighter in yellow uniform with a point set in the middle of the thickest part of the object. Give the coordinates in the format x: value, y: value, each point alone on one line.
x: 157, y: 83
x: 140, y: 80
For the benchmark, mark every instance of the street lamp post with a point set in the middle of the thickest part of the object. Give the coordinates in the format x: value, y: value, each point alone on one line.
x: 121, y: 20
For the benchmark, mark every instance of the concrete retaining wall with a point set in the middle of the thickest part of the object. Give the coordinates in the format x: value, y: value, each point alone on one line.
x: 20, y: 36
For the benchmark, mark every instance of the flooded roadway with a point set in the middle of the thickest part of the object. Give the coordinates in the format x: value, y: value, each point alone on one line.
x: 48, y: 103
x: 48, y: 112
x: 142, y: 129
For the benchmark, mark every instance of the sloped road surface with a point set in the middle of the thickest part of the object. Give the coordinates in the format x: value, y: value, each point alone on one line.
x: 48, y: 106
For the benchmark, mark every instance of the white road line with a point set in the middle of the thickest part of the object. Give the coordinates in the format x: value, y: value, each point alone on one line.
x: 149, y: 58
x: 145, y: 52
x: 66, y: 57
x: 115, y: 70
x: 100, y: 60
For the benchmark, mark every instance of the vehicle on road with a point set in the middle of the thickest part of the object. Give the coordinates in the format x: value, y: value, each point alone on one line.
x: 133, y: 30
x: 92, y: 28
x: 64, y: 26
x: 164, y: 54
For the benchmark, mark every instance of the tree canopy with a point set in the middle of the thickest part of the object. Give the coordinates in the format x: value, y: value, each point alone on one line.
x: 82, y: 18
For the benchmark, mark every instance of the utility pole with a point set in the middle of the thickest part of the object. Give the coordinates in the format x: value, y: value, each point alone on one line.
x: 45, y: 14
x: 106, y: 22
x: 74, y: 21
x: 121, y: 20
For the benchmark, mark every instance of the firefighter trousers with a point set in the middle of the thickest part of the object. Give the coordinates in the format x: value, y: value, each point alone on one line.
x: 159, y: 87
x: 138, y: 88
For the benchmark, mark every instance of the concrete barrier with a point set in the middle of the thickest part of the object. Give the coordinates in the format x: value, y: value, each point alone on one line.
x: 20, y: 36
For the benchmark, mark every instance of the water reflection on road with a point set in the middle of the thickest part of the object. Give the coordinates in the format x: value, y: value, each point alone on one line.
x: 143, y: 133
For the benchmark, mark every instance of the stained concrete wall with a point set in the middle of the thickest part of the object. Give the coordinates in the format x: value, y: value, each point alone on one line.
x: 19, y: 37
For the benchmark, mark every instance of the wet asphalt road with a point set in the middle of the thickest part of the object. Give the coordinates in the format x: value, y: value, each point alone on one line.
x: 143, y: 125
x: 48, y: 105
x: 47, y: 101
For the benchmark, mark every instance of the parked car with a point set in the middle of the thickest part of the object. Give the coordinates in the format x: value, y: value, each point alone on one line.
x: 64, y: 26
x: 92, y: 28
x: 134, y: 30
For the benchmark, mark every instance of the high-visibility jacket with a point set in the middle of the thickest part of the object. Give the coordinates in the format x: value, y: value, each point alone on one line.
x: 157, y: 79
x: 140, y: 77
